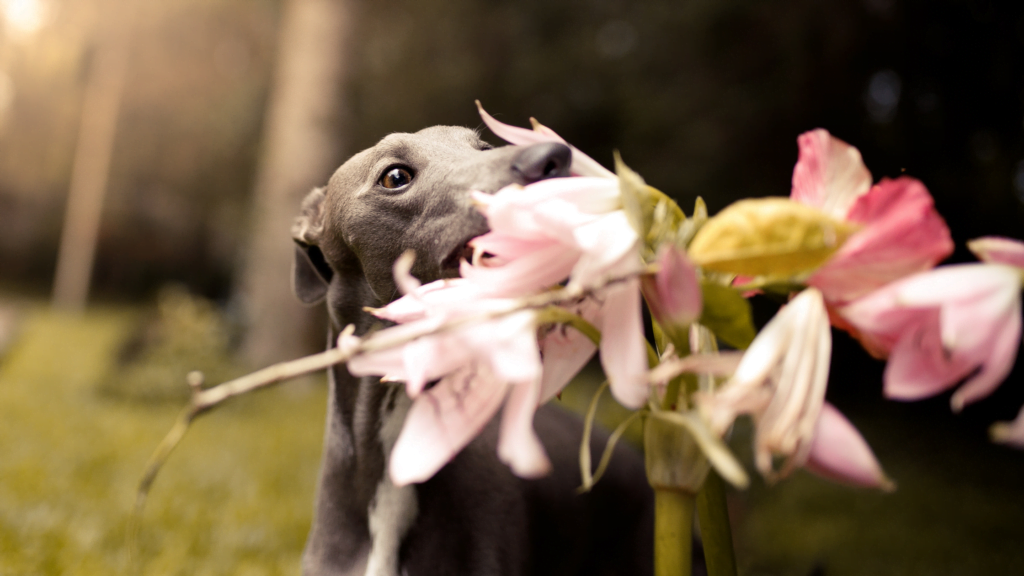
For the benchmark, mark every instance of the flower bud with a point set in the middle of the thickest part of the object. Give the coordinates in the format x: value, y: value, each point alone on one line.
x: 673, y: 293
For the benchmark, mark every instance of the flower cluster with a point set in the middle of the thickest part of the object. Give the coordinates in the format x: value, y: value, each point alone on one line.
x: 855, y: 254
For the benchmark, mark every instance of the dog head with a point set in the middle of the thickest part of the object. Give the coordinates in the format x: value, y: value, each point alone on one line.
x: 408, y: 192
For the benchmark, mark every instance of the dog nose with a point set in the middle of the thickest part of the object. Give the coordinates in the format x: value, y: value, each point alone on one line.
x: 542, y: 161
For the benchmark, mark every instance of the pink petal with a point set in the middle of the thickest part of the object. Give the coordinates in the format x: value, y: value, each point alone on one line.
x: 919, y: 366
x: 879, y: 320
x: 999, y: 355
x: 610, y: 248
x: 588, y: 194
x: 903, y: 235
x: 442, y: 421
x: 565, y: 350
x: 998, y: 250
x: 582, y: 164
x: 839, y: 452
x: 509, y: 344
x: 431, y: 357
x: 673, y: 293
x: 957, y: 283
x: 507, y: 246
x: 526, y: 275
x: 829, y: 174
x: 518, y: 445
x: 623, y: 348
x: 514, y: 134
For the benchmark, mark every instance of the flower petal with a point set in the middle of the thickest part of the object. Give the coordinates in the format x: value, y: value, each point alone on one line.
x: 565, y: 350
x: 918, y: 365
x: 623, y: 348
x: 998, y: 250
x: 582, y: 164
x: 518, y: 444
x: 829, y: 174
x: 839, y: 452
x: 526, y: 275
x: 904, y: 234
x: 999, y: 353
x: 442, y: 421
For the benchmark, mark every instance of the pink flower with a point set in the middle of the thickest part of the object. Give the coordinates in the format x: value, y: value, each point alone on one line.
x: 780, y: 382
x: 902, y: 233
x: 942, y: 326
x: 582, y: 165
x: 479, y: 364
x: 570, y: 229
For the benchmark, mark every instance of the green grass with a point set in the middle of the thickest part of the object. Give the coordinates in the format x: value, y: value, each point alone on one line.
x: 236, y: 498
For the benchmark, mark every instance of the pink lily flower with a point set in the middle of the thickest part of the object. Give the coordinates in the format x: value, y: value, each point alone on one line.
x: 582, y: 165
x: 941, y: 326
x: 902, y: 232
x: 479, y: 365
x: 569, y: 228
x: 780, y: 381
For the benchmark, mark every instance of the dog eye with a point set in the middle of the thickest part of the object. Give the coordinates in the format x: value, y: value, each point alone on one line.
x: 395, y: 177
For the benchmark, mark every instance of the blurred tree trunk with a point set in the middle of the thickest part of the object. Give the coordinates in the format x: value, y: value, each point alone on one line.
x: 302, y: 145
x: 101, y: 103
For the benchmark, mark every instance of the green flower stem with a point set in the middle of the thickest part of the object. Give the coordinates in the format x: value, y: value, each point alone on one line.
x: 557, y: 315
x: 673, y: 532
x: 715, y: 531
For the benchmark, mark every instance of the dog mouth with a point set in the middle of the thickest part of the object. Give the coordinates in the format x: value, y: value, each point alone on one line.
x: 466, y: 251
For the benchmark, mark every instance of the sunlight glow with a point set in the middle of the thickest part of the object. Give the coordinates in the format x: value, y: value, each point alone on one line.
x: 23, y: 16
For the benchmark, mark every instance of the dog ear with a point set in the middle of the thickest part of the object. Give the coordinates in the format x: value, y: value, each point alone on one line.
x: 311, y: 274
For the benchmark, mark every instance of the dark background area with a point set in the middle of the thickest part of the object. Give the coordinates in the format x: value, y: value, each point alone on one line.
x: 701, y: 97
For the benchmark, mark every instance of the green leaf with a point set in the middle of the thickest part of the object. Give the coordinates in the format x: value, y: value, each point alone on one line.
x: 655, y: 217
x: 773, y: 237
x: 727, y: 313
x: 693, y: 224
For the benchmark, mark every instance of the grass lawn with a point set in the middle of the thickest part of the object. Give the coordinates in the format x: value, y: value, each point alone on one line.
x: 236, y: 498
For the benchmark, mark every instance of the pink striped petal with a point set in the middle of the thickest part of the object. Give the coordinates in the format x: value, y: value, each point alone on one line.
x: 565, y: 350
x: 829, y: 174
x: 442, y: 421
x: 838, y: 452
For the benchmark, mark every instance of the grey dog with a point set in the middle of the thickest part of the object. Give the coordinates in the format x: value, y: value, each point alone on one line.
x: 474, y: 517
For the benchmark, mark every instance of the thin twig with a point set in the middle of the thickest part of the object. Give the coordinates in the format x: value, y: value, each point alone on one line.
x: 205, y: 400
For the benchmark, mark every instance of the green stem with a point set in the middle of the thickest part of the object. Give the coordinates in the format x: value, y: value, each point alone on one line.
x: 715, y: 531
x: 673, y: 532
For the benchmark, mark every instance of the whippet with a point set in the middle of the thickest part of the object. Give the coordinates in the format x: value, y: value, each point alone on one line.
x: 411, y: 191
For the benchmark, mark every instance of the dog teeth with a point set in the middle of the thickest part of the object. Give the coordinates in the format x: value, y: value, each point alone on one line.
x: 478, y: 255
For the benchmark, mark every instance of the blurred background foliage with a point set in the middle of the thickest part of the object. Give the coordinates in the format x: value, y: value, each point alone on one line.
x: 702, y: 97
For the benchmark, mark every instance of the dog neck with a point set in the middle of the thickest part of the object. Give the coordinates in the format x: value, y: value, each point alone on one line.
x: 359, y: 420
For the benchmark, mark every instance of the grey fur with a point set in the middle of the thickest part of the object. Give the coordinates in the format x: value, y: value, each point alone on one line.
x: 473, y: 517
